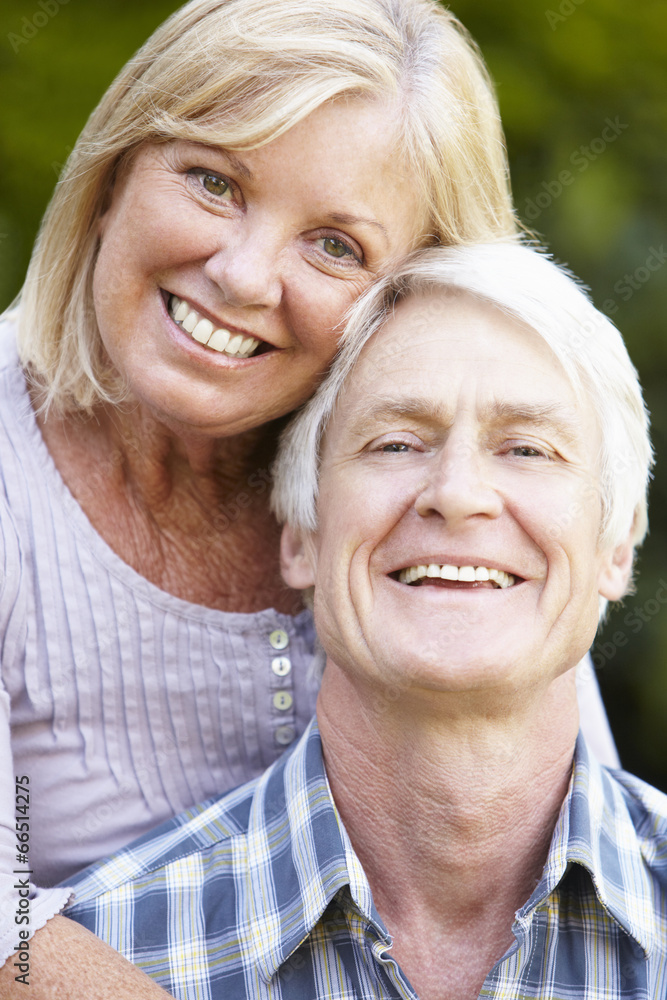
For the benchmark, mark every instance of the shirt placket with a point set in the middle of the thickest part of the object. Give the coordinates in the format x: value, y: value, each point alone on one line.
x: 281, y: 688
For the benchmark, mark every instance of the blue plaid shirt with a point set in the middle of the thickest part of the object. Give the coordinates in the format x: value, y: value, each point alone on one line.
x: 259, y: 894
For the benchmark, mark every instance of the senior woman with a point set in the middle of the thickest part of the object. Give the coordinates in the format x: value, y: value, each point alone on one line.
x: 246, y: 176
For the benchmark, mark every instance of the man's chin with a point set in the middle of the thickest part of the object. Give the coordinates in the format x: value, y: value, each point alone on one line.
x: 448, y: 668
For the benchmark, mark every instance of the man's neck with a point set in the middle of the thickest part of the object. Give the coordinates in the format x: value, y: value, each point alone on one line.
x: 451, y: 817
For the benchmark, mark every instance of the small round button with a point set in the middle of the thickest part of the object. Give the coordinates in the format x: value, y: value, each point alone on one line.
x: 282, y: 700
x: 279, y: 638
x: 284, y: 735
x: 281, y: 665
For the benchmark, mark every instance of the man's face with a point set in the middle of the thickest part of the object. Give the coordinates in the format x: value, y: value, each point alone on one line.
x: 459, y: 445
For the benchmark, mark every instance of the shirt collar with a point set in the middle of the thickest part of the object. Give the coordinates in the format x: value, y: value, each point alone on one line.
x: 295, y: 871
x: 595, y: 829
x: 298, y: 857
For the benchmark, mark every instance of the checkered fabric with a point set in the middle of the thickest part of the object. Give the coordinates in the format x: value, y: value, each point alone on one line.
x: 258, y: 894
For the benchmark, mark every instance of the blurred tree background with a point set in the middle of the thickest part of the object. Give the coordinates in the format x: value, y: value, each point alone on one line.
x: 583, y: 93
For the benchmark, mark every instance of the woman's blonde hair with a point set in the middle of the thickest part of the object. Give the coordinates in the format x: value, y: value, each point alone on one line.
x: 239, y: 73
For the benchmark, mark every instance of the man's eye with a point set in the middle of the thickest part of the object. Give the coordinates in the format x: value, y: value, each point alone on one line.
x: 394, y: 447
x: 525, y: 451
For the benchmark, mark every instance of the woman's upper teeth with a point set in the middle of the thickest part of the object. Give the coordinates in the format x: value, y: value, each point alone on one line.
x: 202, y: 329
x: 466, y: 574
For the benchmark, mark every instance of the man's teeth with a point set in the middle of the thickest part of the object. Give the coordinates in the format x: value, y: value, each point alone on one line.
x: 466, y: 574
x: 203, y: 330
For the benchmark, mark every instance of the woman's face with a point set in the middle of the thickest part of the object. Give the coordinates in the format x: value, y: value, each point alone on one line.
x: 200, y: 244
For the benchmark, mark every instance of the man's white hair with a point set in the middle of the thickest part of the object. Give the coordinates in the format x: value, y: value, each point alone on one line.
x: 528, y: 286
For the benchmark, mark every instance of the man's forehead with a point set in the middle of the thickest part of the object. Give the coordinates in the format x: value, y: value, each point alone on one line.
x: 438, y: 347
x: 446, y: 319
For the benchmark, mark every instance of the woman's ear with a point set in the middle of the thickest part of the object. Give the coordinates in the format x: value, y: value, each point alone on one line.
x: 616, y: 571
x: 296, y: 559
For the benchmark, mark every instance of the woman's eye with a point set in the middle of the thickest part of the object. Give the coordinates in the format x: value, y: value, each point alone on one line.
x: 336, y: 248
x: 526, y: 451
x: 214, y: 184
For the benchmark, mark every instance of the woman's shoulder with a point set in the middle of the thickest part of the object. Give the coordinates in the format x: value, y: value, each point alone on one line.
x: 9, y: 358
x: 17, y: 419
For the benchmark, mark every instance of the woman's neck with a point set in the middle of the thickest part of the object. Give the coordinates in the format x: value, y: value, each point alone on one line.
x: 189, y: 513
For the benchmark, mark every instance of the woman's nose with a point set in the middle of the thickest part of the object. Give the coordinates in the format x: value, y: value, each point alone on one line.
x: 459, y: 485
x: 246, y: 267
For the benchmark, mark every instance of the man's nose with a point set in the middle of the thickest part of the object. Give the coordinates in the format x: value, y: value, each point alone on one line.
x: 247, y: 267
x: 459, y: 484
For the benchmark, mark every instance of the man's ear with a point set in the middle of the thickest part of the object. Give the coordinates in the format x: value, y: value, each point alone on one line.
x: 296, y: 559
x: 616, y: 571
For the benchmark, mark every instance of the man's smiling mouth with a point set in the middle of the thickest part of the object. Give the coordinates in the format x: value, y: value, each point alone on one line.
x: 425, y: 574
x: 201, y: 329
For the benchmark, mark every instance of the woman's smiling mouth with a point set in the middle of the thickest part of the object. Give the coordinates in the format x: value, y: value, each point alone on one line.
x: 201, y: 329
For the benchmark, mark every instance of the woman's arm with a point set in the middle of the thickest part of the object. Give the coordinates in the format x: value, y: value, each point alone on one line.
x: 67, y: 962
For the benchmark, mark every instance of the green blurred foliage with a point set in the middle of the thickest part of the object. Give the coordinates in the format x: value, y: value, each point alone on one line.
x: 563, y: 71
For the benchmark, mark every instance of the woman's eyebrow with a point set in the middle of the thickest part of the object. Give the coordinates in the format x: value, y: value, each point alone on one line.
x: 234, y: 161
x: 336, y: 218
x: 239, y: 166
x: 344, y: 219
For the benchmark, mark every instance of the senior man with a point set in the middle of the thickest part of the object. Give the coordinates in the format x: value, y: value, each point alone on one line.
x: 463, y: 495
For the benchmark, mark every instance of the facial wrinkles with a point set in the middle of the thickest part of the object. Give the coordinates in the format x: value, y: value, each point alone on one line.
x: 343, y: 616
x: 555, y: 424
x: 464, y: 400
x: 461, y: 438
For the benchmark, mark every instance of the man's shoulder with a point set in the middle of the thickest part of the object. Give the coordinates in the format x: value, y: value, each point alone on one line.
x: 615, y: 825
x: 626, y: 854
x: 647, y: 810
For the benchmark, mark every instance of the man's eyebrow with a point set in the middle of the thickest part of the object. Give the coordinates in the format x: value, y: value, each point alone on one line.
x: 389, y: 407
x: 558, y: 416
